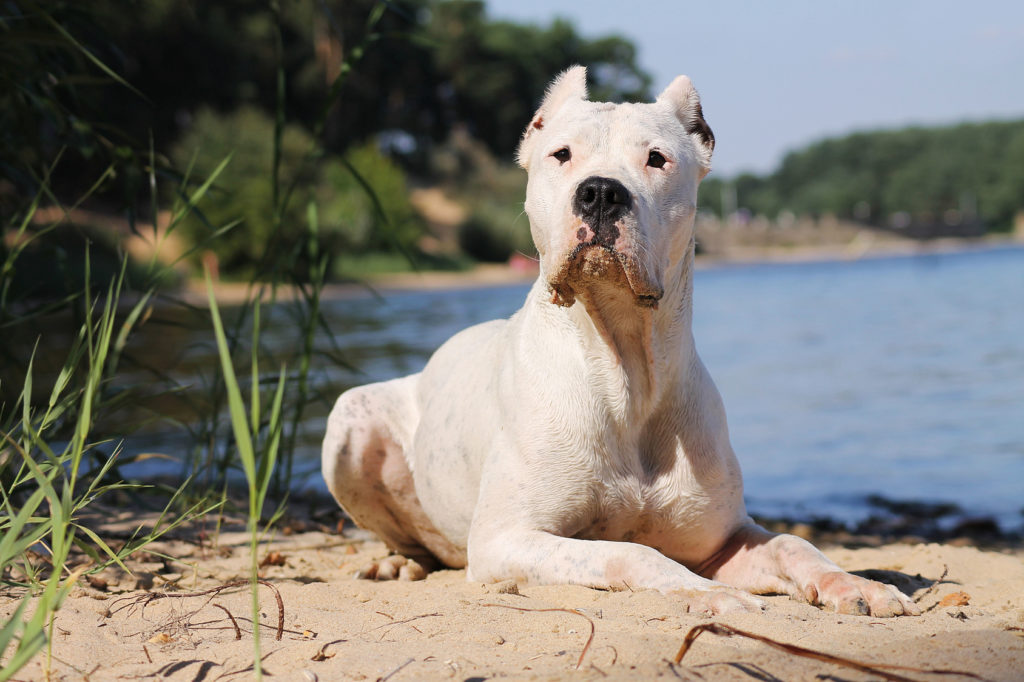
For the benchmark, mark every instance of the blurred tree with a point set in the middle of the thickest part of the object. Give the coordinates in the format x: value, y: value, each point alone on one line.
x: 242, y: 191
x: 57, y: 69
x: 424, y: 68
x: 495, y: 72
x: 965, y: 172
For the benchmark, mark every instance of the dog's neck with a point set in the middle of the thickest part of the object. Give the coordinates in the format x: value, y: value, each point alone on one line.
x: 635, y: 349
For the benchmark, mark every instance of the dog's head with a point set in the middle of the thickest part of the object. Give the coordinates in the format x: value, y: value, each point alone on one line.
x: 612, y: 190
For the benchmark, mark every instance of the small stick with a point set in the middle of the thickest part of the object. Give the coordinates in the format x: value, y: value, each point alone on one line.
x: 280, y: 608
x: 322, y: 654
x: 250, y: 666
x: 590, y: 639
x: 934, y: 586
x: 393, y: 672
x: 238, y: 631
x: 870, y: 668
x: 400, y: 622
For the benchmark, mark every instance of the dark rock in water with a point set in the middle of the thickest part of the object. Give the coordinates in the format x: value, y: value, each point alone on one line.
x: 901, y: 521
x: 913, y: 508
x: 982, y: 527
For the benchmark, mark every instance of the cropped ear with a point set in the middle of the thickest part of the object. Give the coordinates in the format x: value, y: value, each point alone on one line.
x: 569, y: 85
x: 685, y: 103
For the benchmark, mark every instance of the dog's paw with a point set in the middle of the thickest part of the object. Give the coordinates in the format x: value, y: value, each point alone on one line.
x: 394, y: 567
x: 850, y: 594
x: 719, y: 600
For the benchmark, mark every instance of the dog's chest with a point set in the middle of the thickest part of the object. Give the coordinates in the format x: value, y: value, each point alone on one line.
x: 681, y: 515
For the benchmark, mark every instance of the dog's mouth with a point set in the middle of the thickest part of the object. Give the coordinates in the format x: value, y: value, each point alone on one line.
x: 592, y: 264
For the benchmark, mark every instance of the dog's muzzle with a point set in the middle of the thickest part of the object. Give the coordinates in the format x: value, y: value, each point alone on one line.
x: 601, y: 204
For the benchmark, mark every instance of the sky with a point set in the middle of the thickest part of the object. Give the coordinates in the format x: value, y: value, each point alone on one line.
x: 775, y: 76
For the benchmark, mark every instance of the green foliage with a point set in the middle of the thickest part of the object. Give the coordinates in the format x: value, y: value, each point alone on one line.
x: 351, y: 212
x: 495, y: 230
x: 55, y: 75
x: 497, y: 70
x: 427, y: 67
x: 363, y: 198
x: 243, y: 191
x: 975, y: 171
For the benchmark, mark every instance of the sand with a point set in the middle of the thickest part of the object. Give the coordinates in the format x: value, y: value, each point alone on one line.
x: 447, y: 628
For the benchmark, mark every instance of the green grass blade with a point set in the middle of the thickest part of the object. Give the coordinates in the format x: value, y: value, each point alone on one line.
x: 274, y: 430
x: 102, y: 545
x: 126, y: 328
x: 201, y: 191
x: 236, y: 407
x: 14, y: 542
x: 254, y: 389
x: 97, y: 62
x: 28, y: 645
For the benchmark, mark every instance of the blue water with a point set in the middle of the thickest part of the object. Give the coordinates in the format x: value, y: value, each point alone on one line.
x: 900, y: 377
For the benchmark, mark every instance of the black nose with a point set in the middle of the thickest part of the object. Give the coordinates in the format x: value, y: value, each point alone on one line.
x: 601, y: 201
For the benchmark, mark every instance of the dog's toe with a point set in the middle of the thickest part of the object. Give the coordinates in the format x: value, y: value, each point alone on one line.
x: 394, y: 567
x: 412, y: 570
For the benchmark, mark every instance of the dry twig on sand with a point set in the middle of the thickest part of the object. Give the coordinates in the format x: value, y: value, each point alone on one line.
x: 144, y: 600
x: 574, y: 611
x: 878, y: 669
x: 932, y: 588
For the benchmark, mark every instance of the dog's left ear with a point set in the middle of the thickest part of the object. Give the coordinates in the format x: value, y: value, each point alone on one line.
x: 685, y: 102
x: 569, y: 85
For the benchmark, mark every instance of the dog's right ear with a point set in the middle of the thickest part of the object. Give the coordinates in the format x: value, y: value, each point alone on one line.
x: 681, y: 96
x: 570, y: 85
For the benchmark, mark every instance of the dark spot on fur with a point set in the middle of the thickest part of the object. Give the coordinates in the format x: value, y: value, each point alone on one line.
x: 538, y: 122
x: 581, y: 233
x: 699, y: 127
x: 647, y: 301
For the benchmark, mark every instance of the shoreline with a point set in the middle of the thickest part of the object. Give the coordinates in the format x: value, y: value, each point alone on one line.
x: 486, y: 275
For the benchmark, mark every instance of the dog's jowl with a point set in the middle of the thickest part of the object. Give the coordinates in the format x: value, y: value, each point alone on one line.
x: 582, y: 441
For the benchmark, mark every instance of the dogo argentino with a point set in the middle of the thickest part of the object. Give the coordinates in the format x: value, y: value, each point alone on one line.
x: 582, y: 440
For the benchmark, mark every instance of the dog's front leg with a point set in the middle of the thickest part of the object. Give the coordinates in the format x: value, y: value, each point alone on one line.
x: 543, y: 558
x: 762, y: 562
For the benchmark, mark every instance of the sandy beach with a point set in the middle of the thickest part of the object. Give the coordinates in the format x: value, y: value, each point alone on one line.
x: 117, y: 626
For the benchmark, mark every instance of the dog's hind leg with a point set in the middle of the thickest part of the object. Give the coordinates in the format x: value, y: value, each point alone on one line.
x: 365, y: 466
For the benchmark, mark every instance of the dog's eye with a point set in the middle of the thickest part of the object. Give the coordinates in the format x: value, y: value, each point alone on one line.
x: 656, y: 160
x: 563, y: 155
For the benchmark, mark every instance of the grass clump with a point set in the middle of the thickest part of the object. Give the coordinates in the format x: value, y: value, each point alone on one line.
x: 39, y: 464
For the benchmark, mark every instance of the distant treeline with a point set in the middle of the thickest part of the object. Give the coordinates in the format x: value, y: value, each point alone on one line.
x: 969, y: 175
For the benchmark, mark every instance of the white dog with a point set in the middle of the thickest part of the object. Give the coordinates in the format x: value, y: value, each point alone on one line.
x: 582, y: 441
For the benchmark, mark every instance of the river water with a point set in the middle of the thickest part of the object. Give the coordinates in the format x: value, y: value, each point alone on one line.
x: 900, y: 378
